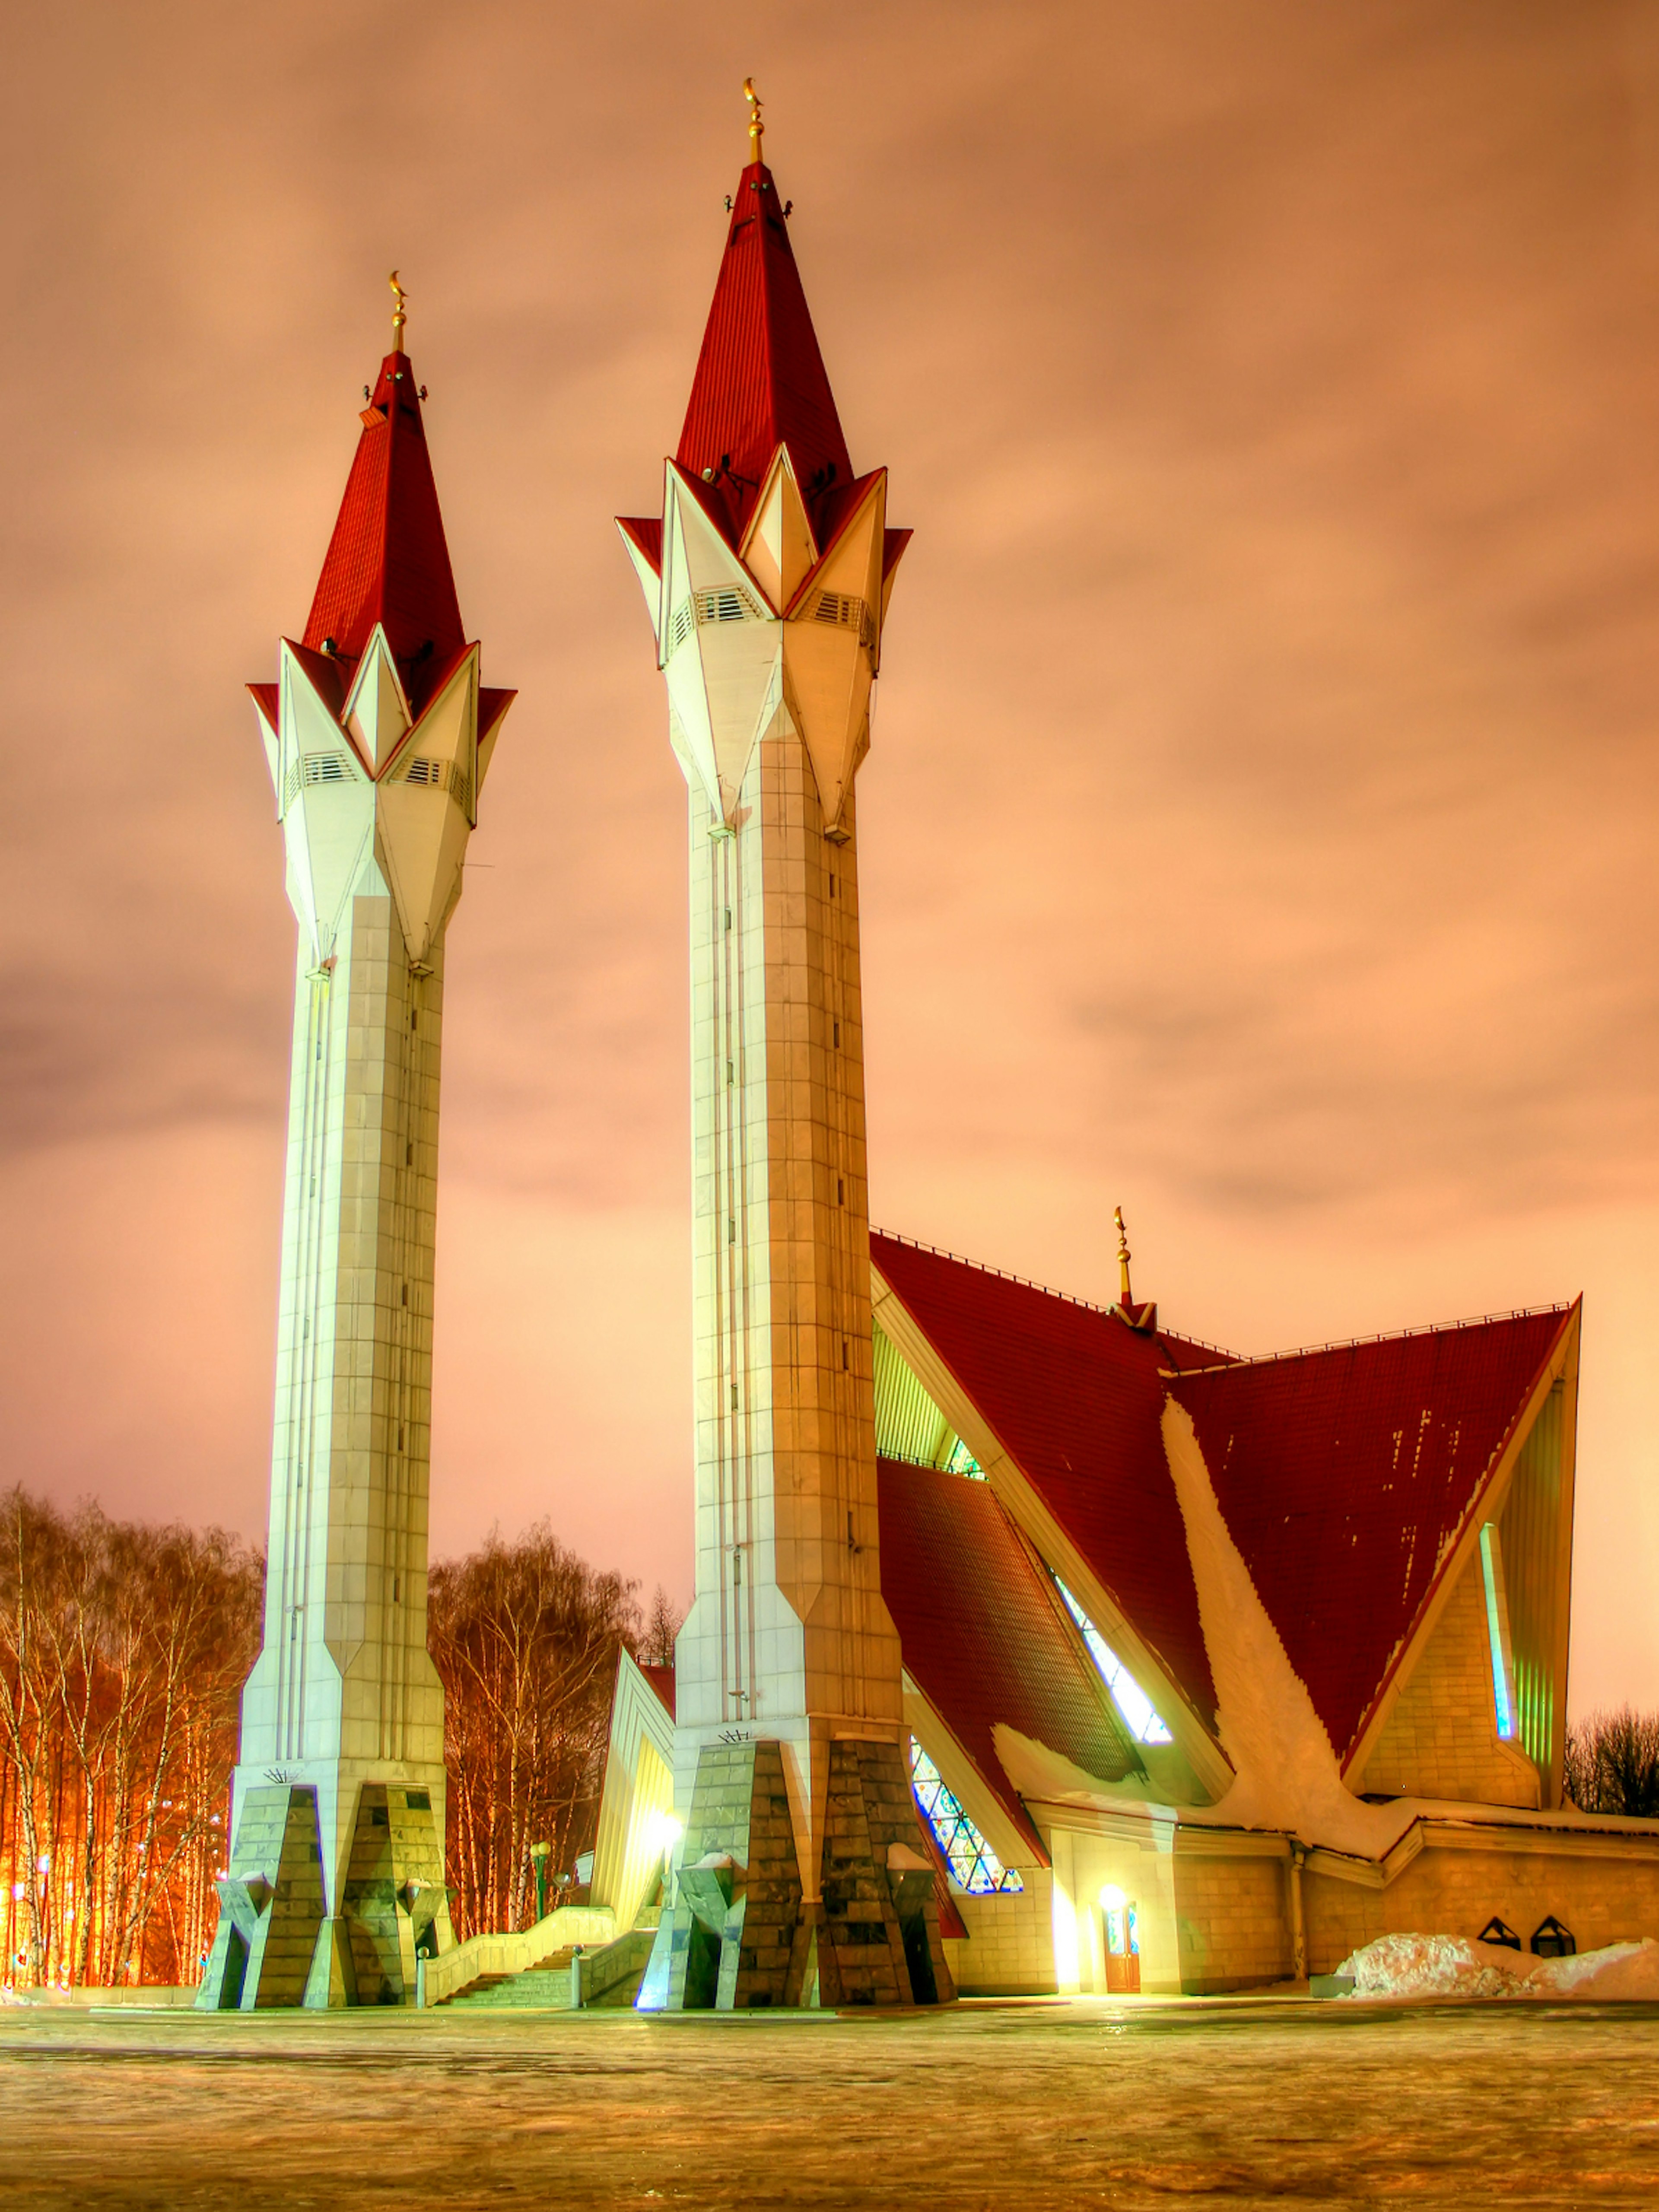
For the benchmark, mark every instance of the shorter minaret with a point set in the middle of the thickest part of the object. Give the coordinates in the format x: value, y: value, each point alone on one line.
x: 377, y: 736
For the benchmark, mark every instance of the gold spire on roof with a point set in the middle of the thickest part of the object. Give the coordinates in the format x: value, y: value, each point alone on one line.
x: 1125, y: 1296
x: 757, y: 128
x: 400, y: 317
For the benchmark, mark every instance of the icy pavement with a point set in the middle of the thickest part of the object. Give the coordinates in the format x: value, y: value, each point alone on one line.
x: 1239, y: 2102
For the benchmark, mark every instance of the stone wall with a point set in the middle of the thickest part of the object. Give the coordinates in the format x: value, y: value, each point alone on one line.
x: 1232, y: 1923
x: 1010, y: 1950
x: 1605, y: 1891
x: 1440, y: 1740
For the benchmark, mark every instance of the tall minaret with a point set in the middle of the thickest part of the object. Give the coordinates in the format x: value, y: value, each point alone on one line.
x: 378, y: 737
x: 767, y: 578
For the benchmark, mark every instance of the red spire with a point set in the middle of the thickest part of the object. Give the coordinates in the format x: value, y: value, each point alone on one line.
x: 761, y: 381
x: 388, y: 561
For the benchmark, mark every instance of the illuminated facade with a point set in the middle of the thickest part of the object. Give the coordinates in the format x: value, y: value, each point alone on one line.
x: 377, y: 736
x: 1198, y: 1670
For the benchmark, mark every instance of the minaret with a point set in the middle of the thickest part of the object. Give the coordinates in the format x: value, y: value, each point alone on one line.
x: 767, y: 578
x: 378, y: 737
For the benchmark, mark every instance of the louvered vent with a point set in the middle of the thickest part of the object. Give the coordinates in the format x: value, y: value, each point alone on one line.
x: 442, y: 775
x: 845, y: 612
x: 727, y: 603
x: 314, y: 768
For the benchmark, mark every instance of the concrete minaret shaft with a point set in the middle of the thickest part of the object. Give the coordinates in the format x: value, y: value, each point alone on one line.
x: 377, y: 736
x: 767, y: 578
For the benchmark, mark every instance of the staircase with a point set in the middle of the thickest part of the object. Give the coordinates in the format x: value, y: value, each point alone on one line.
x: 568, y: 1980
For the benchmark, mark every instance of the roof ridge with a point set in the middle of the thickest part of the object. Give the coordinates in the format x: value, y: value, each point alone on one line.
x: 1026, y: 1282
x: 1380, y: 1336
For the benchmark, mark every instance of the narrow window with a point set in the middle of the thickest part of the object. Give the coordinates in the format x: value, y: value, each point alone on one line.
x: 1127, y: 1695
x: 409, y: 1155
x: 405, y: 1293
x: 413, y: 1017
x: 841, y: 1192
x: 837, y: 1036
x: 1498, y: 1632
x: 974, y: 1865
x: 846, y: 1356
x: 400, y: 1436
x: 832, y: 882
x: 734, y: 1397
x: 397, y: 1590
x: 728, y: 917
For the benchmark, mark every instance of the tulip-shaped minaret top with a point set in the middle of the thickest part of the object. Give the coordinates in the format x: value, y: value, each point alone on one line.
x: 767, y: 577
x: 377, y: 736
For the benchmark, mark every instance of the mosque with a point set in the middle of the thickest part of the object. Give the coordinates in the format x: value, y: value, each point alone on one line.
x: 1037, y: 1646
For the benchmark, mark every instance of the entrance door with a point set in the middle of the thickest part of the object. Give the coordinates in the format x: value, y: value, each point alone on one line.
x: 1123, y: 1943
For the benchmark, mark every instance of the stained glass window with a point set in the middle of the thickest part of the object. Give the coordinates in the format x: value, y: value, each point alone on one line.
x: 961, y: 1461
x: 1127, y: 1695
x: 974, y: 1865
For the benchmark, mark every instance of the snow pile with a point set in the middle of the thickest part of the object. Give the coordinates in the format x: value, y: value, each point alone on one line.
x: 1287, y: 1771
x: 1452, y: 1966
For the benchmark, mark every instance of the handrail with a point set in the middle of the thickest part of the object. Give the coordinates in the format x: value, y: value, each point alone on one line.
x: 436, y: 1980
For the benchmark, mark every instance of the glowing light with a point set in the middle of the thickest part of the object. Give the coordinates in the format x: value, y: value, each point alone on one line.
x: 662, y: 1832
x: 1497, y: 1632
x: 1112, y: 1898
x: 1127, y: 1695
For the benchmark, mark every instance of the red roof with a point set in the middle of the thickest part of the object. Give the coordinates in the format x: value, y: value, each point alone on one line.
x: 1076, y: 1398
x: 982, y: 1632
x: 661, y: 1679
x: 646, y: 531
x: 1344, y: 1474
x: 761, y: 381
x: 388, y: 561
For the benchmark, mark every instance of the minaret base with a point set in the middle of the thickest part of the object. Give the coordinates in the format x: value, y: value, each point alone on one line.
x: 742, y: 1935
x: 278, y: 1945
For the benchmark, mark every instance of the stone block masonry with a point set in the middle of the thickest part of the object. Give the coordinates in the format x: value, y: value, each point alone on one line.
x: 742, y: 1935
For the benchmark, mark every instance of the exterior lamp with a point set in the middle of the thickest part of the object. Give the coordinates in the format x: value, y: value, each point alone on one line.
x: 538, y: 1856
x: 663, y: 1831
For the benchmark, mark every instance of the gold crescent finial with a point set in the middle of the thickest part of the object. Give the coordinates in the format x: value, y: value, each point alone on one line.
x: 400, y: 317
x: 757, y: 128
x: 1125, y: 1296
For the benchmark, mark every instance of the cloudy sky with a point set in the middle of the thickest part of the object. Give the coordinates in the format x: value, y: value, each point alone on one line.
x: 1261, y: 824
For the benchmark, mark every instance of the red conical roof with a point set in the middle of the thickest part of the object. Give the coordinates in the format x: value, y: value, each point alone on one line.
x: 388, y: 561
x: 761, y: 381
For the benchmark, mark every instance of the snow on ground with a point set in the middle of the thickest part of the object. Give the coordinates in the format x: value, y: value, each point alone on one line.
x: 1452, y: 1966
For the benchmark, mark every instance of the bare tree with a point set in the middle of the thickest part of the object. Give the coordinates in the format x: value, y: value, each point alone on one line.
x: 123, y: 1650
x: 525, y: 1636
x: 662, y: 1626
x: 1613, y: 1763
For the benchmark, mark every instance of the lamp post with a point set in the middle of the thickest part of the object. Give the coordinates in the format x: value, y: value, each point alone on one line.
x: 538, y: 1856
